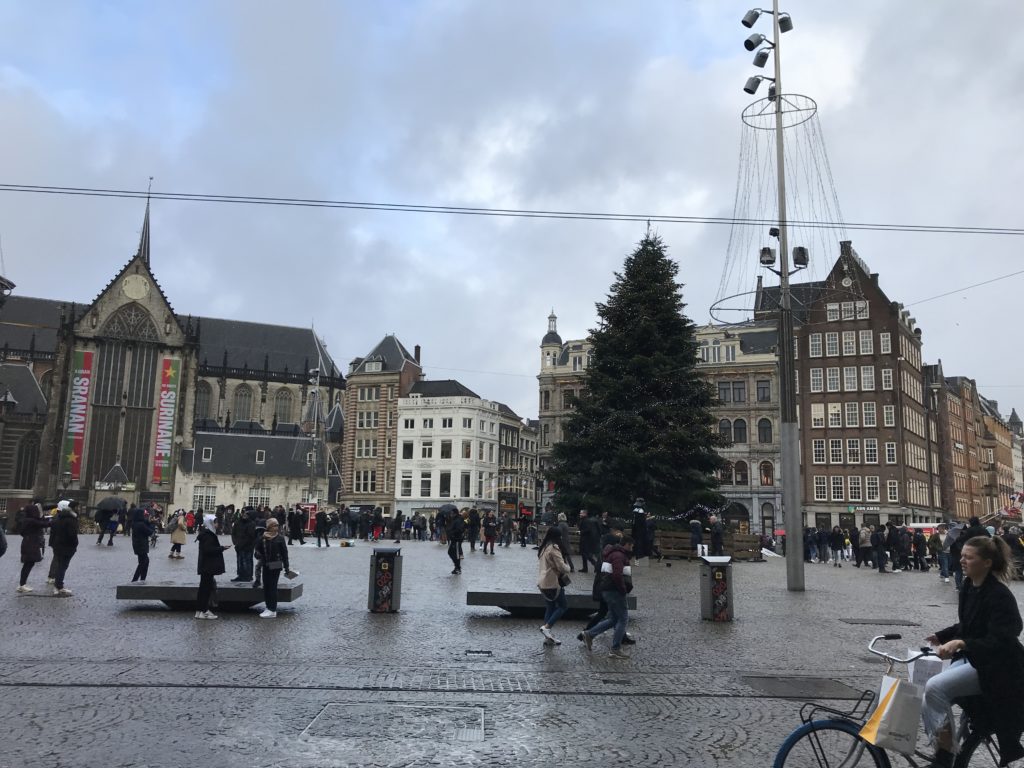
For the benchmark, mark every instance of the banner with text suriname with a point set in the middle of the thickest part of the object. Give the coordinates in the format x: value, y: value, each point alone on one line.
x: 167, y: 408
x: 78, y: 413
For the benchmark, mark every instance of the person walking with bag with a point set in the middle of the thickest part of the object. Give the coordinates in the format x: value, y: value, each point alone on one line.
x: 988, y: 658
x: 455, y: 531
x: 553, y: 577
x: 616, y: 583
x: 210, y: 564
x: 179, y: 534
x: 272, y: 554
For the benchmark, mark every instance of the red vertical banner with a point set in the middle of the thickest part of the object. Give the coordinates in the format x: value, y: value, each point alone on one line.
x: 78, y: 413
x: 166, y: 411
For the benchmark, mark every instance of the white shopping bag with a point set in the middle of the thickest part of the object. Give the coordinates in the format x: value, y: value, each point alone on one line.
x: 702, y: 550
x: 894, y: 723
x: 925, y: 668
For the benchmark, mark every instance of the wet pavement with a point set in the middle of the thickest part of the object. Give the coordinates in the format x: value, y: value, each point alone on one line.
x: 93, y: 681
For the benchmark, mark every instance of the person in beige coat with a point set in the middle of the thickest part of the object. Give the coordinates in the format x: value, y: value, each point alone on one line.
x: 552, y: 577
x: 179, y: 535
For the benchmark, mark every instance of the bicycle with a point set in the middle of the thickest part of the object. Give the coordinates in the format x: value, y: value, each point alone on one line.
x: 834, y: 741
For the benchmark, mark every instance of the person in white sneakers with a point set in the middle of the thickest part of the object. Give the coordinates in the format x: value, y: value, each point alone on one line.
x: 272, y: 554
x: 211, y: 564
x: 33, y: 542
x: 64, y: 542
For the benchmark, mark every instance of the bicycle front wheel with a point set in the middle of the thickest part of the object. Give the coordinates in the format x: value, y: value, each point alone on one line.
x: 829, y: 744
x: 977, y: 752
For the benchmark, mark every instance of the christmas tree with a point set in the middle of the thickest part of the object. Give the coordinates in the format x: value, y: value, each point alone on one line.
x: 642, y: 425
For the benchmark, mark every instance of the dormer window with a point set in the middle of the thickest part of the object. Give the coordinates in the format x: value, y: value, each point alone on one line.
x: 261, y: 457
x: 373, y: 367
x: 207, y: 454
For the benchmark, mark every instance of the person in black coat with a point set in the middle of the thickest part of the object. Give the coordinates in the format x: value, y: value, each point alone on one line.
x: 473, y: 528
x: 210, y: 564
x: 323, y: 528
x: 64, y: 542
x: 243, y: 537
x: 590, y: 541
x: 988, y: 659
x: 142, y: 529
x: 272, y: 552
x: 973, y: 528
x: 33, y: 542
x: 455, y: 531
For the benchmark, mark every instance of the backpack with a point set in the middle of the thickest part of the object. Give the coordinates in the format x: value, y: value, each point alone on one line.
x: 172, y: 526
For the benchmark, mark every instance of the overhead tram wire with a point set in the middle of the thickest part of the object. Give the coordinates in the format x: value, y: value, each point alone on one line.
x: 504, y: 212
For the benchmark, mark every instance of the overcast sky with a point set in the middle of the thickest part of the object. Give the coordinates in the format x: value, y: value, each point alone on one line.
x: 535, y: 104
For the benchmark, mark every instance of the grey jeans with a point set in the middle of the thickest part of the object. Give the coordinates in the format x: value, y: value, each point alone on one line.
x: 960, y: 680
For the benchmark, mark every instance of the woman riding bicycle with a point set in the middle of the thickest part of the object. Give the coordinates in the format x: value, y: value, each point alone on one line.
x: 988, y: 659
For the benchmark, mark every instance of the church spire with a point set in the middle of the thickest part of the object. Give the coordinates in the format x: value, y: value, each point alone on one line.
x: 144, y: 237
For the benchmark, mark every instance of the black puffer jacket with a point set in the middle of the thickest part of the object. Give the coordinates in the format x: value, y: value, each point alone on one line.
x: 211, y: 554
x: 64, y: 532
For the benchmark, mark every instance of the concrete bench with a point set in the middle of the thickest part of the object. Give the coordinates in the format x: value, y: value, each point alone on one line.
x: 229, y: 595
x: 533, y: 604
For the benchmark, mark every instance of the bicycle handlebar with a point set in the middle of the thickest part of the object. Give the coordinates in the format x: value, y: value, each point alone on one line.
x: 914, y: 656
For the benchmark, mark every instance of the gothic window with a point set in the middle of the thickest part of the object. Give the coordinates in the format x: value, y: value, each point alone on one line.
x: 203, y: 396
x: 242, y: 408
x: 283, y: 401
x: 28, y: 458
x: 131, y: 322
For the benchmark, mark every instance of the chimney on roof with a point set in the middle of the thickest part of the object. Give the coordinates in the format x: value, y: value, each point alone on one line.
x: 416, y: 353
x: 846, y: 247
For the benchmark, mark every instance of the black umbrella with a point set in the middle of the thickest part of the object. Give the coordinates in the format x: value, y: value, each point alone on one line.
x: 110, y: 504
x: 448, y: 508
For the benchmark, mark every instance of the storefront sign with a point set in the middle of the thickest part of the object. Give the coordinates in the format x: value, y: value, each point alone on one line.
x: 167, y: 409
x: 78, y: 412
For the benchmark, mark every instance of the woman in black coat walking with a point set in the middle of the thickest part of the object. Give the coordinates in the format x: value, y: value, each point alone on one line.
x: 142, y: 529
x: 272, y: 553
x: 32, y: 543
x: 211, y: 563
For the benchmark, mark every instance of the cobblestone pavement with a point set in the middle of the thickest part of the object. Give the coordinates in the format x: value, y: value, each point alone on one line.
x: 92, y: 681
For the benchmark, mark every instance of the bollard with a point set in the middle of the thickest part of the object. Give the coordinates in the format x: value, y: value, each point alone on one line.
x: 716, y: 588
x: 385, y: 593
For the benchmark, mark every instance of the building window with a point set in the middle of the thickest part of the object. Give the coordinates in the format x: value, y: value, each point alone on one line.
x: 871, y: 488
x: 203, y: 396
x: 739, y: 431
x: 814, y: 345
x: 850, y: 342
x: 767, y: 473
x: 242, y: 407
x: 852, y: 414
x: 832, y: 344
x: 764, y: 391
x: 870, y: 415
x: 850, y: 378
x: 890, y: 453
x: 725, y: 474
x: 832, y: 312
x: 207, y: 454
x: 870, y: 450
x: 816, y: 380
x: 867, y: 343
x: 408, y: 424
x: 885, y: 343
x: 465, y: 481
x: 283, y: 406
x: 835, y: 451
x: 261, y: 458
x: 427, y: 449
x: 545, y: 436
x: 446, y: 449
x: 428, y: 423
x: 861, y: 309
x: 847, y: 310
x: 366, y: 448
x: 742, y: 475
x: 545, y: 400
x: 725, y: 429
x: 832, y: 379
x: 893, y: 487
x: 259, y: 496
x: 467, y: 451
x: 853, y: 451
x: 367, y: 420
x: 204, y: 497
x: 835, y: 415
x: 724, y: 391
x: 889, y: 415
x: 817, y: 415
x: 407, y: 449
x: 405, y: 489
x: 838, y: 487
x: 818, y: 451
x: 867, y: 378
x: 854, y: 488
x: 820, y: 488
x: 446, y: 423
x: 467, y: 423
x: 764, y: 431
x: 369, y: 393
x: 445, y: 485
x: 27, y: 460
x: 887, y: 378
x: 365, y: 481
x: 739, y: 392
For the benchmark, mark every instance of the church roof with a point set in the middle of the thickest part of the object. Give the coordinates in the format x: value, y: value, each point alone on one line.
x: 244, y: 344
x: 17, y: 381
x: 26, y: 321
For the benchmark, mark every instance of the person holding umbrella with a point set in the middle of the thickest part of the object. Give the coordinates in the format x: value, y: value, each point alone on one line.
x: 106, y: 511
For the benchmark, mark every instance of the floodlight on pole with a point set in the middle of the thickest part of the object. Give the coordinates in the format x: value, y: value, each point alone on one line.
x: 750, y: 17
x: 753, y: 83
x: 785, y: 23
x: 761, y: 57
x: 754, y: 41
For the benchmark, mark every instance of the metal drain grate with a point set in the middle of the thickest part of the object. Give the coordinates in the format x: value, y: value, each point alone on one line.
x: 413, y: 721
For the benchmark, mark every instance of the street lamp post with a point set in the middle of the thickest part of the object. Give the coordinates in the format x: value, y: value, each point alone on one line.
x: 788, y: 433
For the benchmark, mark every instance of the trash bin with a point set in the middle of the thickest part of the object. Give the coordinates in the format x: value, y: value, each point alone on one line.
x: 716, y: 588
x: 385, y: 595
